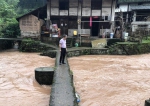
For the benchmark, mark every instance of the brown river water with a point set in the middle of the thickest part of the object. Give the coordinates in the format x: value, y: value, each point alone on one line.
x: 99, y: 80
x: 112, y: 80
x: 17, y: 81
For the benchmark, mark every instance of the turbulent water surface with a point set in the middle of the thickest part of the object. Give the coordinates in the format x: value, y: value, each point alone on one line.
x: 99, y: 80
x: 112, y: 80
x: 17, y: 82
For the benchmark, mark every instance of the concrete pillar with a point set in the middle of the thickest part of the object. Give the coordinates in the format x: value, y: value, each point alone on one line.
x: 113, y: 10
x: 134, y: 16
x: 113, y: 14
x: 134, y: 19
x: 79, y: 17
x: 127, y: 16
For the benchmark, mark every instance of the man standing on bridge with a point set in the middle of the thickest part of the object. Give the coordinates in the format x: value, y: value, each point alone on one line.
x: 63, y: 49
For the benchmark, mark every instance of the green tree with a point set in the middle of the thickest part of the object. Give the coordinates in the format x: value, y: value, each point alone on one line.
x: 10, y: 10
x: 8, y: 16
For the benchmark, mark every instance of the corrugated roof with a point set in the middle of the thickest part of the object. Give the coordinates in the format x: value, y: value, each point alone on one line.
x: 132, y: 1
x: 140, y: 7
x: 141, y: 23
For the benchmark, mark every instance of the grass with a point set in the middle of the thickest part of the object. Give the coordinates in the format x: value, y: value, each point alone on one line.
x: 146, y: 41
x: 122, y: 43
x: 143, y: 41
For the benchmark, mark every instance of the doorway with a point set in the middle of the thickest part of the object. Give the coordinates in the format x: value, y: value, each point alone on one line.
x: 64, y: 26
x: 95, y: 26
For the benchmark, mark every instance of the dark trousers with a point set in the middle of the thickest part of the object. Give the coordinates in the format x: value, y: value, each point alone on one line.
x: 62, y: 55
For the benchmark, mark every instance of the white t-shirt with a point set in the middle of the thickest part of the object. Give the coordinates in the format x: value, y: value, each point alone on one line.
x: 63, y: 43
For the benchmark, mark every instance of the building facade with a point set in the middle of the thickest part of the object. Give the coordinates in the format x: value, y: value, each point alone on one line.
x: 135, y: 12
x: 85, y: 16
x: 30, y: 26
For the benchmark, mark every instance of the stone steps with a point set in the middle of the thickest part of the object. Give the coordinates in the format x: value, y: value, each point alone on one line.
x: 69, y: 42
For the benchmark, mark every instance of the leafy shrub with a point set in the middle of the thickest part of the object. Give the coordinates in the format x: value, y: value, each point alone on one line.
x: 29, y: 45
x: 9, y: 31
x: 112, y: 41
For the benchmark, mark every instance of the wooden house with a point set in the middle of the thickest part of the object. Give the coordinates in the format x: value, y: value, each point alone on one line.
x: 87, y: 17
x: 135, y: 12
x: 30, y: 26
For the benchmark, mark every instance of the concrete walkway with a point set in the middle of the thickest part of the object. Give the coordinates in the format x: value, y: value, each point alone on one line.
x: 62, y: 92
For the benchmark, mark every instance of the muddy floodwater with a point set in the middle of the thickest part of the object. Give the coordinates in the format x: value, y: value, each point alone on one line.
x: 17, y: 82
x: 112, y: 80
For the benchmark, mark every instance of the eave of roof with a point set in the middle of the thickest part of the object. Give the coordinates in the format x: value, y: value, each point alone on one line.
x: 131, y: 1
x: 140, y: 7
x: 141, y: 23
x: 31, y: 12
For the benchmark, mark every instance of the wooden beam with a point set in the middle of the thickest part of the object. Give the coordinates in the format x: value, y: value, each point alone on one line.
x: 79, y: 15
x: 48, y: 10
x: 48, y: 15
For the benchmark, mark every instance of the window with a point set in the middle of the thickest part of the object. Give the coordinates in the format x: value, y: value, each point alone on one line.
x: 96, y: 4
x: 141, y: 17
x: 105, y: 25
x: 142, y: 26
x: 106, y: 17
x: 56, y: 22
x: 86, y: 23
x: 63, y: 5
x: 73, y: 24
x: 140, y: 3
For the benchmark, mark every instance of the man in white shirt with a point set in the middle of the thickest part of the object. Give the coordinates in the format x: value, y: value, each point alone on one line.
x: 63, y: 49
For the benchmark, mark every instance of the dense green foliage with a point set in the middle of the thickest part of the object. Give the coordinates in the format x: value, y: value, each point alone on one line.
x: 130, y: 48
x: 112, y: 41
x: 9, y: 11
x: 8, y: 17
x: 29, y: 45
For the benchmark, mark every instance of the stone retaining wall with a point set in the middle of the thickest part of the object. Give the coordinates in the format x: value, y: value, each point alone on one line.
x: 78, y: 52
x: 87, y: 52
x: 129, y: 49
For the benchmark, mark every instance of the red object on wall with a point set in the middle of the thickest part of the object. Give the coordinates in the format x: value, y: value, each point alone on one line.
x: 95, y: 17
x: 90, y: 21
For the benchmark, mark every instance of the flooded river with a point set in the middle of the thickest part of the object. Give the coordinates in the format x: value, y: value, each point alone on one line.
x: 99, y: 80
x: 112, y: 80
x: 17, y: 82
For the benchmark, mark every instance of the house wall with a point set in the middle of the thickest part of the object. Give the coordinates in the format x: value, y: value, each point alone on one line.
x: 139, y: 12
x: 30, y: 26
x: 82, y: 9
